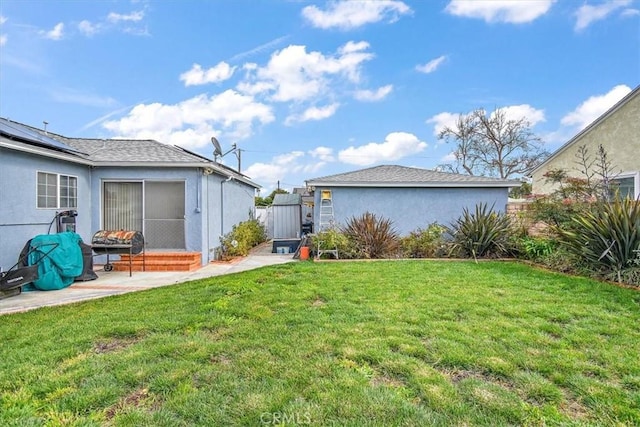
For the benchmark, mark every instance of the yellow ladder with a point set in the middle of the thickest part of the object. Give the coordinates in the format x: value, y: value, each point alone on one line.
x: 327, y: 221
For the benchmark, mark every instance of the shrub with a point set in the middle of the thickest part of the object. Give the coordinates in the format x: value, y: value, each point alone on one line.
x: 425, y: 243
x: 242, y: 238
x: 483, y: 233
x: 535, y: 248
x: 372, y: 237
x: 606, y: 236
x: 333, y: 239
x: 631, y: 274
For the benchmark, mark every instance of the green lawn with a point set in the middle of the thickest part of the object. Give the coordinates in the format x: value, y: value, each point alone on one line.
x: 382, y: 343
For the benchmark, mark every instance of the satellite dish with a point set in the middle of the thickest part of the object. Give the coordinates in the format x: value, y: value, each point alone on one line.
x: 217, y: 150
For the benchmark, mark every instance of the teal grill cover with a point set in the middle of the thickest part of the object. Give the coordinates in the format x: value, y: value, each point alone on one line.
x: 59, y: 259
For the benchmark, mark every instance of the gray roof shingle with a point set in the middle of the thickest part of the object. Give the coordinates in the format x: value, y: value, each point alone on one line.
x: 123, y: 150
x: 402, y: 176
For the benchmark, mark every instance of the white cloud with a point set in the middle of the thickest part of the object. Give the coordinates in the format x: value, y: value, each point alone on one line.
x: 523, y: 111
x: 73, y: 96
x: 449, y: 157
x: 594, y: 107
x: 132, y: 17
x: 269, y: 45
x: 313, y: 113
x: 510, y: 11
x: 432, y: 65
x: 630, y: 12
x: 56, y: 33
x: 293, y: 74
x: 352, y: 14
x: 395, y: 146
x: 190, y: 123
x: 372, y: 96
x: 3, y: 37
x: 442, y: 121
x: 514, y: 112
x: 323, y: 153
x: 276, y: 170
x: 197, y: 76
x: 587, y: 14
x: 88, y: 29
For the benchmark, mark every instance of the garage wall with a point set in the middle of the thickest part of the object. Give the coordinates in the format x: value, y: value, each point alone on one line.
x: 409, y: 208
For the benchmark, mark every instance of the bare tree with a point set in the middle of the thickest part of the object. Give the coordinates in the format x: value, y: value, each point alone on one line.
x: 598, y: 173
x: 493, y: 145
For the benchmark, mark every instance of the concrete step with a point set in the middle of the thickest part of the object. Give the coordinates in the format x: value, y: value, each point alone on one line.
x: 160, y: 261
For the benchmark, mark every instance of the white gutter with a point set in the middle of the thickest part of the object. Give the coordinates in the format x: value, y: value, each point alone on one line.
x: 49, y: 153
x: 444, y: 184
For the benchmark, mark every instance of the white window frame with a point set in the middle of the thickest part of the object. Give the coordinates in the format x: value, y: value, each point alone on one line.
x: 58, y: 194
x: 636, y: 181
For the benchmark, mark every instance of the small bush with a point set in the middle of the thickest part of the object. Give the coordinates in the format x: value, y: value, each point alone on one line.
x: 372, y: 237
x: 606, y: 237
x: 242, y: 238
x: 631, y: 274
x: 535, y: 248
x: 483, y: 233
x: 425, y: 243
x: 333, y: 239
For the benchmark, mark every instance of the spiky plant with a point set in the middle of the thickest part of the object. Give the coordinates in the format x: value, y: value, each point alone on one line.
x: 373, y: 237
x: 481, y: 233
x: 605, y: 236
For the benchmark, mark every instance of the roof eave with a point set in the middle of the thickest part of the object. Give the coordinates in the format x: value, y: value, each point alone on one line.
x: 31, y: 149
x: 588, y: 129
x: 478, y: 184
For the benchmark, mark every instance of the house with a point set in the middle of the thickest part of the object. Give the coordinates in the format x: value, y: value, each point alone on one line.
x: 618, y: 131
x: 412, y: 198
x: 179, y: 200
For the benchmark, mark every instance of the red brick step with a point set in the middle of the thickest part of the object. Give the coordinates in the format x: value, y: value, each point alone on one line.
x: 160, y: 261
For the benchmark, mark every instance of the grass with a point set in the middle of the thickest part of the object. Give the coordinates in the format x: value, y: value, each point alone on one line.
x: 354, y: 343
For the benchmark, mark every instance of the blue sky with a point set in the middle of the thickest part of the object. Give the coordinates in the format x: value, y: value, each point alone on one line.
x: 307, y: 89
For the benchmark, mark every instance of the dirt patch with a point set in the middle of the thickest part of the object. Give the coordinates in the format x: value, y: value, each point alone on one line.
x: 574, y: 409
x: 386, y: 381
x: 136, y: 399
x: 113, y: 345
x: 220, y: 359
x: 318, y: 302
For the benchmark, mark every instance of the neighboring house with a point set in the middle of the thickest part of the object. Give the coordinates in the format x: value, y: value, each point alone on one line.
x: 618, y: 131
x: 412, y: 198
x: 179, y: 200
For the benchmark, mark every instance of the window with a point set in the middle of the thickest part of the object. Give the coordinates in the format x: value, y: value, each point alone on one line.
x: 57, y: 191
x: 626, y: 185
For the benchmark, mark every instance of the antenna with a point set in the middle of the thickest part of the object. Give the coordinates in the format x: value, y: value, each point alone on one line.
x: 217, y: 149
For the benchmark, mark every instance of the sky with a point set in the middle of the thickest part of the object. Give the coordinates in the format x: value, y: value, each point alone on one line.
x: 306, y: 89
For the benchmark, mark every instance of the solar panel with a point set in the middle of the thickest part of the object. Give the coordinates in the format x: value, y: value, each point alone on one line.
x: 18, y: 130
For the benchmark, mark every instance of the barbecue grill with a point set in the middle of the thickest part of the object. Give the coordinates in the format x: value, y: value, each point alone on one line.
x: 112, y: 242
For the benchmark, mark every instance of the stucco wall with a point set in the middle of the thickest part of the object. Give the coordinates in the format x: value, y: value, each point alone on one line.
x: 227, y: 204
x: 193, y: 237
x: 409, y: 208
x: 20, y: 219
x: 619, y: 135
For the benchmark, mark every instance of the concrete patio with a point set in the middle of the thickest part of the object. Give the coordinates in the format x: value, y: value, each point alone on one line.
x: 119, y: 282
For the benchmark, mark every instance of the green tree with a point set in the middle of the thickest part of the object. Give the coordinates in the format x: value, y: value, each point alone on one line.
x: 268, y: 200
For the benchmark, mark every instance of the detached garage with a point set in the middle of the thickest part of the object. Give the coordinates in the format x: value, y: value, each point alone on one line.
x: 412, y: 198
